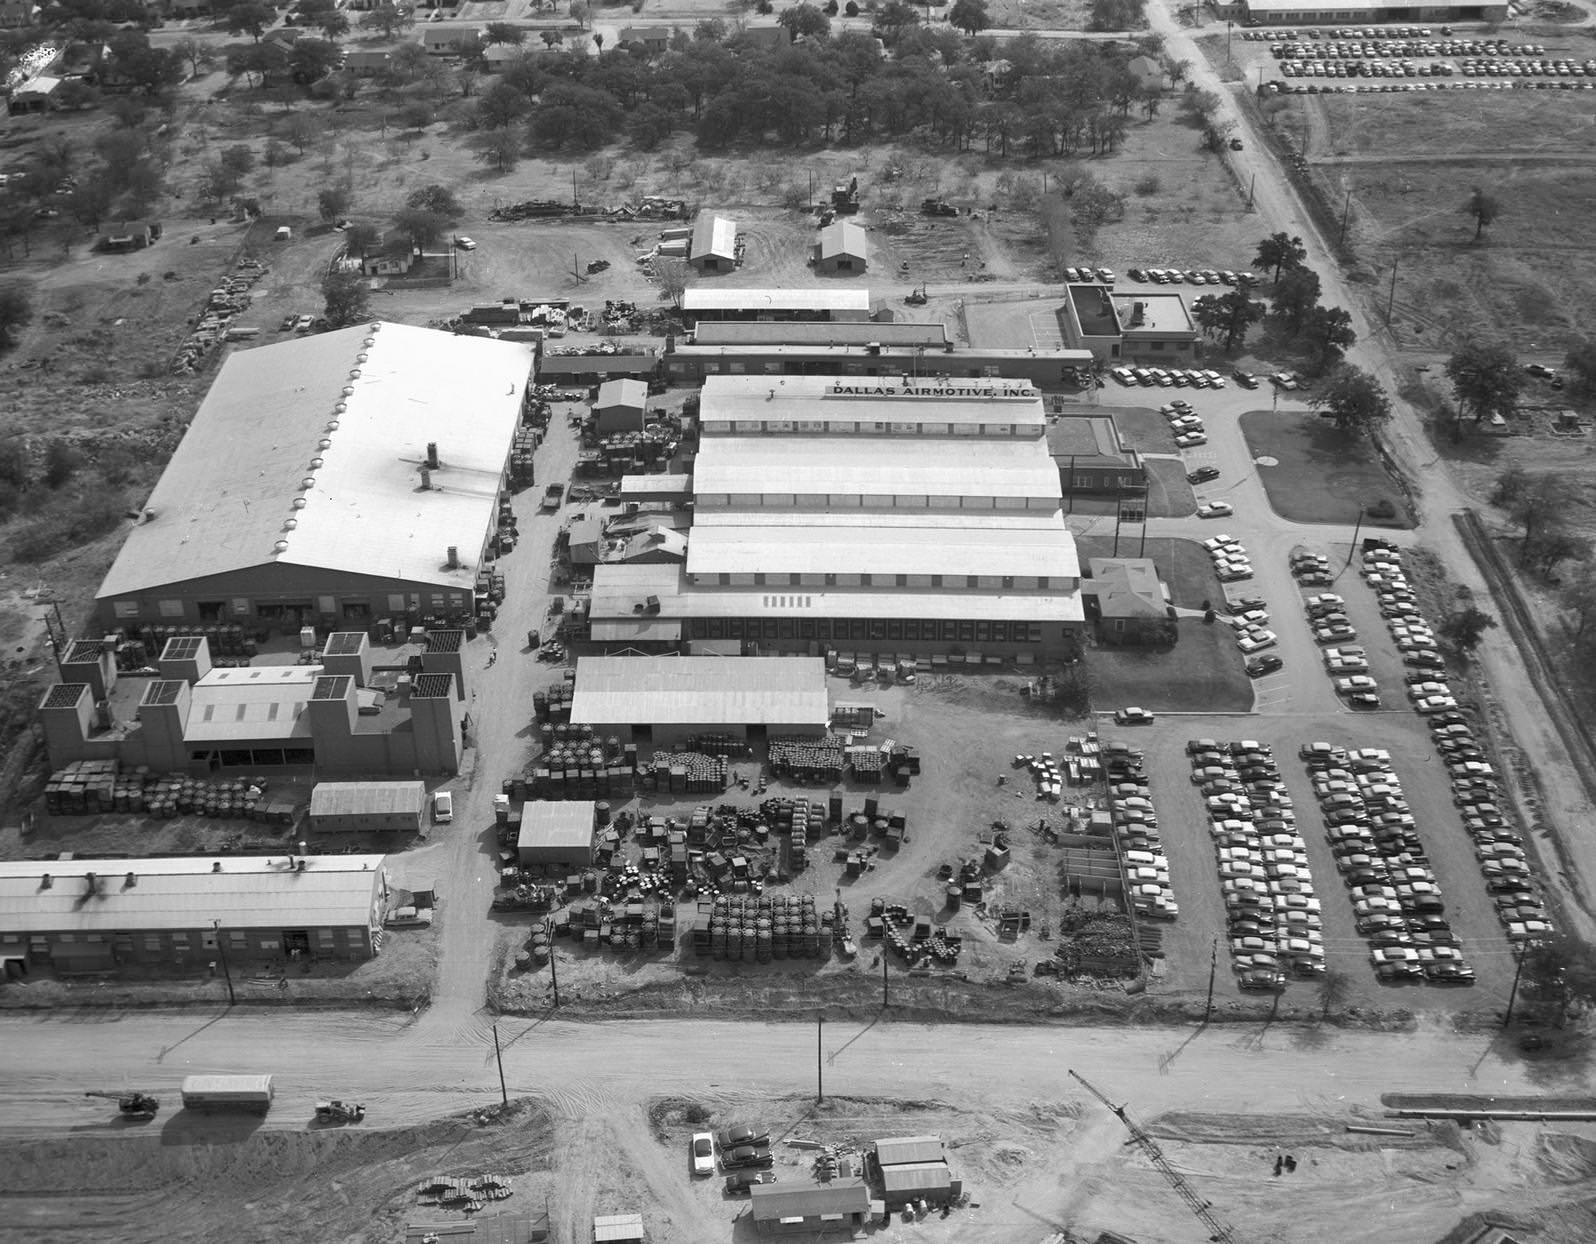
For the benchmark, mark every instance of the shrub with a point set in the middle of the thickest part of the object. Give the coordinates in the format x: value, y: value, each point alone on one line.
x: 61, y: 461
x: 1148, y: 185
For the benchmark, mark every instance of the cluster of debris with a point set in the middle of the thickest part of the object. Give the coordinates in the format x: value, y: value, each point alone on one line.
x: 463, y: 1192
x: 211, y: 327
x: 536, y: 209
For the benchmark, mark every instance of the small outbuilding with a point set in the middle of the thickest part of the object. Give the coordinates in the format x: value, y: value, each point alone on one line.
x: 810, y: 1208
x: 367, y: 807
x: 618, y: 1229
x: 915, y: 1168
x: 714, y: 244
x: 842, y: 248
x: 557, y: 833
x: 1130, y: 603
x: 127, y: 235
x: 620, y: 406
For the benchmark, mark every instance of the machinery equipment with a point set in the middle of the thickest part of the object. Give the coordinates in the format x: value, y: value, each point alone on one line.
x: 339, y: 1112
x: 130, y: 1102
x: 1218, y: 1232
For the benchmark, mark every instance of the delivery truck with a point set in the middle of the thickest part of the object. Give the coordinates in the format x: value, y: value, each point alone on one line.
x: 246, y: 1093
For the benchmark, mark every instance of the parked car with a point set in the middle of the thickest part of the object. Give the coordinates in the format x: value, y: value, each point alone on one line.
x: 464, y: 243
x: 747, y: 1157
x: 702, y: 1150
x: 1215, y: 509
x: 739, y: 1182
x: 740, y: 1134
x: 1203, y: 475
x: 1133, y: 717
x: 442, y: 807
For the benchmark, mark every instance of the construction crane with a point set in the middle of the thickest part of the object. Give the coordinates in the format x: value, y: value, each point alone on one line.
x: 1218, y: 1232
x: 130, y: 1102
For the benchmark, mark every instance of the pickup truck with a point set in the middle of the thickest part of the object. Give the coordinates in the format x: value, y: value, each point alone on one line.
x: 553, y: 495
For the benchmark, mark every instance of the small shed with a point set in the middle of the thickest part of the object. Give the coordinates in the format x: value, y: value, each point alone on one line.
x: 842, y: 248
x: 557, y: 832
x: 714, y: 244
x: 618, y: 1229
x: 915, y: 1168
x: 810, y: 1208
x: 35, y: 95
x: 620, y: 406
x: 367, y: 807
x: 127, y: 235
x: 392, y: 256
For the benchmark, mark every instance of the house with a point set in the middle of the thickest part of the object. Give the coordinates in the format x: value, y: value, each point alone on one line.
x: 714, y: 244
x: 35, y: 95
x: 765, y: 36
x: 809, y: 1208
x: 497, y: 57
x: 655, y: 39
x: 366, y: 62
x: 620, y: 406
x: 127, y: 235
x: 842, y: 248
x: 450, y: 41
x: 393, y: 255
x: 1132, y: 606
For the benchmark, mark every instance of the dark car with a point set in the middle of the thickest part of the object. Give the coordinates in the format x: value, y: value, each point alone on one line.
x: 1245, y: 379
x: 746, y: 1157
x: 738, y: 1183
x: 1203, y: 475
x: 1260, y: 666
x: 739, y: 1135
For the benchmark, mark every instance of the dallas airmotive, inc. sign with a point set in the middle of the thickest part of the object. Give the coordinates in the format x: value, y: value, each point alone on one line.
x: 938, y: 388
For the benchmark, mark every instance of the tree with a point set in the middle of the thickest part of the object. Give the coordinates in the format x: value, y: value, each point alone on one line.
x: 238, y: 160
x: 1484, y: 208
x: 61, y: 462
x: 1118, y: 14
x: 893, y: 18
x: 1561, y: 969
x: 501, y: 105
x: 1353, y: 399
x: 674, y: 276
x: 1556, y: 545
x: 969, y: 16
x: 360, y: 238
x: 276, y: 154
x: 580, y: 13
x: 1581, y: 363
x: 1486, y: 381
x: 1334, y: 988
x: 313, y: 59
x: 1237, y: 313
x: 1329, y: 334
x: 1578, y: 597
x: 1464, y: 628
x: 572, y: 115
x: 435, y: 198
x: 249, y: 18
x: 330, y: 21
x: 1296, y: 294
x: 194, y: 52
x: 506, y: 33
x: 16, y: 311
x: 388, y: 20
x: 1279, y: 252
x: 424, y: 227
x: 348, y: 298
x: 1533, y: 502
x: 332, y: 203
x: 804, y: 21
x: 500, y: 149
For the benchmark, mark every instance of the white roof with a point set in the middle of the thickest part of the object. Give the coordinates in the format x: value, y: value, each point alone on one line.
x: 820, y: 548
x: 907, y: 466
x: 254, y: 702
x: 366, y: 798
x: 714, y: 235
x: 870, y: 400
x: 844, y: 238
x: 248, y: 892
x: 557, y: 823
x: 1319, y: 6
x: 812, y: 299
x: 228, y: 494
x: 632, y: 393
x: 700, y: 691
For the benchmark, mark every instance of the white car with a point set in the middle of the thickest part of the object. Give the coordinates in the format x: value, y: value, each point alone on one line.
x: 465, y: 243
x: 1257, y: 641
x: 1223, y: 540
x: 702, y: 1151
x: 1215, y: 509
x: 442, y: 807
x: 1190, y: 440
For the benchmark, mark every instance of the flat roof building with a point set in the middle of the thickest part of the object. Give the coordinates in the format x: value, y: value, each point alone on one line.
x: 620, y: 406
x: 1153, y: 328
x: 1333, y: 12
x: 666, y: 699
x: 809, y: 1208
x: 333, y: 479
x: 77, y: 916
x: 367, y: 807
x: 557, y: 833
x: 774, y: 304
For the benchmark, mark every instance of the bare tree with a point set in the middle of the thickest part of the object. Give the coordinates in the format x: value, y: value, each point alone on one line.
x: 674, y: 276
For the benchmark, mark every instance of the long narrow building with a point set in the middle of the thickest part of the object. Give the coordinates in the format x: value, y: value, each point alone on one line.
x: 886, y: 515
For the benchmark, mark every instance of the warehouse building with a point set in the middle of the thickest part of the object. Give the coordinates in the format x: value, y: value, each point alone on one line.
x: 810, y: 1208
x: 1149, y: 328
x: 843, y: 249
x: 897, y: 515
x: 344, y: 715
x: 81, y: 916
x: 595, y: 367
x: 367, y: 807
x: 1358, y: 12
x: 816, y: 305
x: 714, y: 244
x: 915, y: 1168
x: 329, y: 481
x: 557, y: 833
x: 620, y: 406
x: 663, y: 700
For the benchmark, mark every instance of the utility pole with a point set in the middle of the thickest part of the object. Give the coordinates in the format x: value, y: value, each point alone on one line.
x: 1356, y: 528
x: 1512, y: 996
x: 1229, y: 26
x: 1251, y: 186
x: 221, y: 951
x: 1213, y: 968
x: 1390, y: 298
x: 820, y: 1068
x: 885, y: 1002
x: 576, y: 204
x: 554, y: 962
x: 504, y: 1094
x: 1346, y: 210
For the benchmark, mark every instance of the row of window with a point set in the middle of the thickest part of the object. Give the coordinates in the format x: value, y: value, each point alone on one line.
x: 358, y: 610
x: 973, y: 582
x: 848, y: 427
x: 840, y: 630
x: 237, y: 939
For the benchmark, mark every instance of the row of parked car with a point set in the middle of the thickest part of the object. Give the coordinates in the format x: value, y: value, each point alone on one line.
x: 1230, y: 559
x: 1185, y: 423
x: 1168, y: 377
x: 1509, y: 83
x: 1273, y: 919
x: 1476, y: 785
x: 743, y: 1152
x: 1135, y: 821
x: 1374, y: 839
x: 1352, y: 32
x: 1439, y: 69
x: 1193, y: 276
x: 1381, y: 49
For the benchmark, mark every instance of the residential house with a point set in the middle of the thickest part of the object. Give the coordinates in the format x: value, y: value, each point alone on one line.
x: 127, y: 235
x: 450, y: 41
x: 1132, y: 607
x: 655, y: 39
x: 367, y: 62
x: 394, y: 255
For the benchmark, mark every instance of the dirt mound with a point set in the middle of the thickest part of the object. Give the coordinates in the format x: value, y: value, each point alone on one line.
x: 1565, y: 1159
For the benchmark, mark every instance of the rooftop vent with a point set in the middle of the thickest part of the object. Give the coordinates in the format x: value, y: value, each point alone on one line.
x: 299, y: 503
x: 129, y: 881
x: 308, y: 482
x: 280, y: 547
x: 432, y: 454
x: 426, y: 479
x: 216, y: 866
x: 46, y: 881
x: 290, y: 523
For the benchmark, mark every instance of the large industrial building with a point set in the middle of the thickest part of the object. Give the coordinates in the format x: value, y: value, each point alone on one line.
x: 1150, y: 328
x: 663, y: 700
x: 1359, y: 12
x: 329, y: 481
x: 920, y: 516
x: 80, y: 916
x: 816, y: 305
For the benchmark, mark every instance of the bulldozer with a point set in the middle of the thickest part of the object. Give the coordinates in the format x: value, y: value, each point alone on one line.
x: 130, y: 1102
x: 338, y: 1112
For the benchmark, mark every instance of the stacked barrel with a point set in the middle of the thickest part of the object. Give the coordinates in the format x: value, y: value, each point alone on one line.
x: 758, y: 930
x: 816, y: 760
x: 576, y: 764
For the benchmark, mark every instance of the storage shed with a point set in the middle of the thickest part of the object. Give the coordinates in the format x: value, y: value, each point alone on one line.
x: 666, y: 699
x: 618, y: 1229
x: 367, y: 807
x: 842, y: 248
x: 915, y: 1168
x: 620, y: 406
x: 557, y: 832
x: 798, y: 1208
x: 714, y: 244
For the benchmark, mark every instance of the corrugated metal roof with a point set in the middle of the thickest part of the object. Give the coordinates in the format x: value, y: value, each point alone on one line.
x: 911, y: 1177
x: 224, y: 499
x: 775, y: 1201
x: 559, y: 823
x: 617, y: 1227
x: 803, y: 333
x: 707, y: 691
x: 823, y: 549
x: 871, y: 400
x: 367, y: 798
x: 636, y: 630
x: 892, y: 1150
x: 640, y: 486
x: 845, y: 237
x: 714, y: 235
x: 626, y: 392
x: 812, y: 299
x: 551, y: 365
x: 842, y: 466
x: 248, y: 892
x: 255, y: 703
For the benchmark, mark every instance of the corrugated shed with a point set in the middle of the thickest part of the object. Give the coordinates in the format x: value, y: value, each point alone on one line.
x: 704, y: 691
x: 714, y: 236
x: 698, y: 299
x: 632, y: 394
x: 271, y: 421
x: 617, y: 1228
x: 844, y: 238
x: 367, y: 798
x: 766, y: 333
x: 557, y: 825
x: 772, y: 1202
x: 257, y: 703
x: 247, y: 892
x: 913, y: 1179
x: 897, y: 1149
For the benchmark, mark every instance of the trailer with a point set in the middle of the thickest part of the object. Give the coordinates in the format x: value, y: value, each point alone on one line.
x: 252, y: 1093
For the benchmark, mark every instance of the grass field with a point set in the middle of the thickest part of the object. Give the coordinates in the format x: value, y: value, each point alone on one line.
x: 1318, y: 475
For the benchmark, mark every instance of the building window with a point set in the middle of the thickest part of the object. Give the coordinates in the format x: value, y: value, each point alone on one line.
x: 831, y: 580
x: 152, y: 941
x: 972, y: 580
x: 903, y: 580
x: 936, y: 580
x: 170, y: 608
x: 864, y: 581
x: 1155, y: 345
